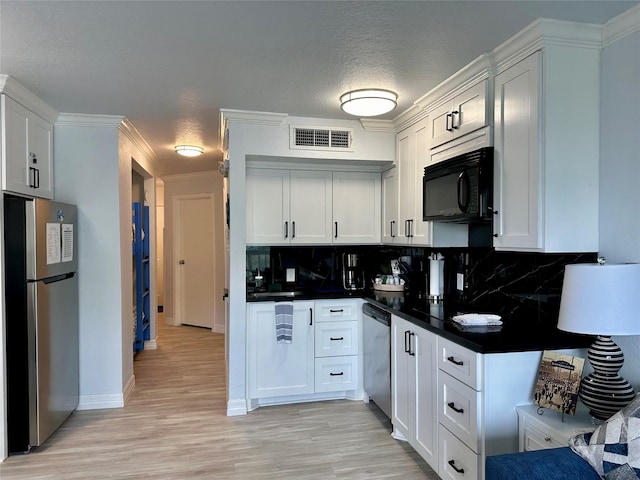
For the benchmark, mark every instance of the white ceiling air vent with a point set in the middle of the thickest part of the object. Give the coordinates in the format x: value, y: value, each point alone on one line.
x: 321, y: 138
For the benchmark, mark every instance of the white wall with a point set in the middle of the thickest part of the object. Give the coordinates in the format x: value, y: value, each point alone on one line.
x: 87, y: 174
x: 94, y: 156
x: 204, y: 182
x: 620, y: 167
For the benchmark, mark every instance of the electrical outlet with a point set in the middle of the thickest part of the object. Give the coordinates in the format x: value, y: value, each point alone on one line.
x: 460, y: 281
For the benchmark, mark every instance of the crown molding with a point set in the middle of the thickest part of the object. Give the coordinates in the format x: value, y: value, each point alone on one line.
x: 131, y: 132
x: 254, y: 118
x: 621, y: 26
x: 373, y: 125
x: 542, y: 33
x: 25, y: 97
x: 88, y: 120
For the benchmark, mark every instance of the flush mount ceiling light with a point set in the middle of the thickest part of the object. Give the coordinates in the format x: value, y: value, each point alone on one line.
x: 368, y: 102
x: 189, y: 150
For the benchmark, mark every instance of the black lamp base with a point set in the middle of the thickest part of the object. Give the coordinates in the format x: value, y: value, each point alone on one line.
x: 604, y: 392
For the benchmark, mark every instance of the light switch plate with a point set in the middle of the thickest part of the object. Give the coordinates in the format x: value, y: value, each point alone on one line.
x: 460, y: 281
x: 291, y: 275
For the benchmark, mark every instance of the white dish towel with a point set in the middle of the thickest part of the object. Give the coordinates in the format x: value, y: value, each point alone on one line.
x: 478, y: 319
x: 284, y: 322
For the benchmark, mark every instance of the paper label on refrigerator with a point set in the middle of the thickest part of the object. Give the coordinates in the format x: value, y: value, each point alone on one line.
x: 67, y: 242
x: 53, y: 243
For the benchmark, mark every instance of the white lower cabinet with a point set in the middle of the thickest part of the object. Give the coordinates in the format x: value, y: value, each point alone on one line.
x: 280, y: 369
x: 414, y: 388
x: 322, y: 361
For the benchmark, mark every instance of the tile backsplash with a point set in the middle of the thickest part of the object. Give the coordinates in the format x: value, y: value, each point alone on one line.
x: 526, y: 286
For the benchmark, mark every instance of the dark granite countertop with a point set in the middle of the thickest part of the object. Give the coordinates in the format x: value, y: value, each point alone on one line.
x: 516, y: 335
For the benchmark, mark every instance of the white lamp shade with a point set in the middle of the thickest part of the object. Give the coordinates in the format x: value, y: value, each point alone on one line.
x: 601, y: 299
x: 368, y: 102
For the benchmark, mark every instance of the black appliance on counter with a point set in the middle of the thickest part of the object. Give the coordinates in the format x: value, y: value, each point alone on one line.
x: 459, y: 189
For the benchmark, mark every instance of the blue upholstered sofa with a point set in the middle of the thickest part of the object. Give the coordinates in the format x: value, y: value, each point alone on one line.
x: 551, y: 464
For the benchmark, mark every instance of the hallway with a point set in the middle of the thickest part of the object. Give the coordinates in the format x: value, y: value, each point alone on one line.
x: 175, y: 427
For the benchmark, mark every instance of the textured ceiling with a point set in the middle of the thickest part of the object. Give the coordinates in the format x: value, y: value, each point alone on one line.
x: 169, y: 66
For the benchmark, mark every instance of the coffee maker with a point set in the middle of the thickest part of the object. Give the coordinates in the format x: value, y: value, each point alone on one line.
x: 352, y: 272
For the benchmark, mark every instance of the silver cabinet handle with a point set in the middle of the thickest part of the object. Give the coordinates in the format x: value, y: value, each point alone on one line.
x: 448, y: 128
x: 453, y: 119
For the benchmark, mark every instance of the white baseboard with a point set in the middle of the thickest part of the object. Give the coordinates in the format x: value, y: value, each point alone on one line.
x: 96, y: 402
x: 218, y: 329
x: 129, y: 388
x: 150, y: 344
x: 236, y: 407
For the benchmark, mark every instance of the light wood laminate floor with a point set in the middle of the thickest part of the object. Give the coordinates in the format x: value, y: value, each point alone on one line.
x: 175, y: 427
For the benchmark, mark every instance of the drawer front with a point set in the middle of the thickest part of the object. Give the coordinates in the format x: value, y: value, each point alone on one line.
x: 535, y: 439
x: 336, y: 338
x: 458, y: 407
x: 334, y: 374
x: 337, y: 310
x: 460, y: 363
x: 456, y: 460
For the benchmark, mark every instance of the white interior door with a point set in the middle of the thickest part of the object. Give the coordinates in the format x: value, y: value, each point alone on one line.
x: 194, y: 259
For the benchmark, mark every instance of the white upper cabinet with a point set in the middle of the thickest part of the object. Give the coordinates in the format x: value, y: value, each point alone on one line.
x: 27, y: 144
x: 309, y: 207
x: 356, y: 207
x: 403, y: 192
x: 390, y: 205
x: 546, y: 149
x: 285, y: 207
x: 462, y: 114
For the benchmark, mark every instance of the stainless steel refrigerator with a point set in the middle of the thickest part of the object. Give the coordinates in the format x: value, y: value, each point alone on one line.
x: 41, y: 299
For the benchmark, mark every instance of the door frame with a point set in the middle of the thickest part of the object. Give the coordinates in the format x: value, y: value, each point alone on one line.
x: 177, y: 248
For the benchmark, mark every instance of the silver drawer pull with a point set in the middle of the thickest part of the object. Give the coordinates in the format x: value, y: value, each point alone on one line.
x: 453, y: 465
x: 453, y: 360
x: 452, y: 406
x: 336, y: 339
x: 331, y: 374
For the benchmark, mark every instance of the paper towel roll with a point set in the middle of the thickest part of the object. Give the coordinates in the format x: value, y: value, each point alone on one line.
x: 434, y: 277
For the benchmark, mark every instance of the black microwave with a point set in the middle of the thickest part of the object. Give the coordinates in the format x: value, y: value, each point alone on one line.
x: 459, y: 189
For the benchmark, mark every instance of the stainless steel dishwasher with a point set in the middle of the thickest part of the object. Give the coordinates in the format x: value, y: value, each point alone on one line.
x: 377, y: 356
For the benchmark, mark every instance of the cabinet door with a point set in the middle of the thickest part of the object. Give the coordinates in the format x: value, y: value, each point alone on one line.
x: 267, y: 208
x: 405, y: 159
x: 402, y: 380
x: 310, y: 207
x: 280, y: 369
x: 15, y: 166
x: 516, y: 194
x: 421, y: 231
x: 440, y: 119
x: 469, y: 110
x: 40, y: 159
x: 27, y: 160
x: 426, y: 379
x: 390, y: 205
x: 356, y: 207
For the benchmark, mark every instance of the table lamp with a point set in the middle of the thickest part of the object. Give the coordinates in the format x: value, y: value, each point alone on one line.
x: 602, y: 300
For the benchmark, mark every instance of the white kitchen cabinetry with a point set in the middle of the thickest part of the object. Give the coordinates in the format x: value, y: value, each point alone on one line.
x: 477, y: 399
x: 550, y: 429
x: 390, y: 205
x: 280, y: 369
x: 546, y: 152
x: 321, y: 362
x: 27, y: 143
x: 337, y: 346
x: 403, y: 191
x: 462, y: 114
x: 310, y: 207
x: 414, y: 388
x: 356, y: 207
x: 288, y: 207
